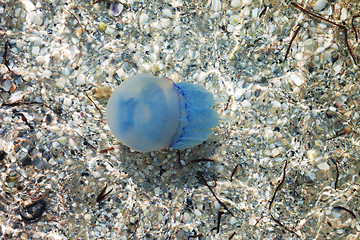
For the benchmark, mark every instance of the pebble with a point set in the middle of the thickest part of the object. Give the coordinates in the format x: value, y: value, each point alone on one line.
x: 276, y: 104
x: 253, y: 221
x: 215, y: 5
x: 295, y: 78
x: 313, y: 154
x: 39, y: 163
x: 102, y: 26
x: 167, y: 12
x: 35, y: 50
x: 233, y: 221
x: 63, y: 140
x: 236, y: 3
x: 235, y: 19
x: 310, y: 177
x: 197, y: 212
x: 324, y: 171
x: 238, y: 93
x: 87, y: 217
x: 80, y: 80
x: 47, y: 73
x: 5, y: 84
x: 323, y: 166
x: 165, y: 23
x: 276, y: 152
x: 35, y: 18
x: 110, y: 30
x: 67, y: 102
x: 61, y: 82
x: 29, y: 6
x: 269, y: 134
x: 144, y: 19
x: 157, y: 191
x: 319, y: 5
x: 246, y: 104
x: 186, y: 218
x: 344, y: 14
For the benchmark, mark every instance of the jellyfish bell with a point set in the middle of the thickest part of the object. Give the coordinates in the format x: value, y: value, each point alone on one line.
x: 148, y: 113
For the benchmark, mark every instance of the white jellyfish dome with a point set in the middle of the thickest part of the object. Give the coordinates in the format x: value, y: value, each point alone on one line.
x: 148, y: 113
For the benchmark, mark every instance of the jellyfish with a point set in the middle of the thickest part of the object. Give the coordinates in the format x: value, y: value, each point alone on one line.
x: 148, y: 113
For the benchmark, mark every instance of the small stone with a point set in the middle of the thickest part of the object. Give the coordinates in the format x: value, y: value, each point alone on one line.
x: 313, y: 154
x: 80, y: 80
x: 18, y: 12
x: 215, y: 5
x: 167, y: 12
x: 53, y: 162
x: 5, y: 84
x: 252, y: 221
x: 235, y: 19
x: 246, y: 104
x: 310, y: 176
x: 110, y: 30
x: 102, y: 92
x: 36, y: 19
x: 233, y: 221
x: 165, y: 23
x: 67, y: 102
x: 276, y: 152
x: 309, y: 44
x: 276, y: 104
x: 102, y: 26
x: 296, y: 78
x: 246, y: 2
x: 143, y: 19
x: 269, y: 134
x: 61, y: 82
x: 79, y: 31
x: 344, y: 14
x: 33, y: 211
x: 320, y: 5
x: 47, y: 73
x: 29, y: 6
x: 35, y: 50
x: 324, y: 166
x: 39, y: 162
x: 236, y: 3
x: 186, y: 218
x: 87, y: 217
x: 197, y: 212
x: 157, y: 191
x: 63, y: 140
x: 324, y: 171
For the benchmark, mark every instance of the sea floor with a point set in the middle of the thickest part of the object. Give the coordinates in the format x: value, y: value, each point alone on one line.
x: 282, y: 164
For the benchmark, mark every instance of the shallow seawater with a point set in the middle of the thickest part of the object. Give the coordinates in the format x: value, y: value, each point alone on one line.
x: 282, y: 164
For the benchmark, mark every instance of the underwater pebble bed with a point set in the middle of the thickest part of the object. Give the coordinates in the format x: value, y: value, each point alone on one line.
x: 282, y: 164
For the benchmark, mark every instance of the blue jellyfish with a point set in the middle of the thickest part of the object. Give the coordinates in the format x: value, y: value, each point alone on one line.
x: 148, y: 113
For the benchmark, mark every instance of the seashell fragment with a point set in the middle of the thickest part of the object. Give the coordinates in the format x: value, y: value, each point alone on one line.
x: 33, y: 211
x: 117, y: 9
